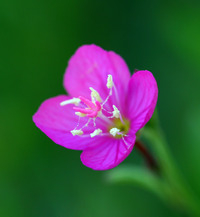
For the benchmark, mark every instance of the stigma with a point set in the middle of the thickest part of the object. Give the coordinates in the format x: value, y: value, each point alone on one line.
x: 92, y: 110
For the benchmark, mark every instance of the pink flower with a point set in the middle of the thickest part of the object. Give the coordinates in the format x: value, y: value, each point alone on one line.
x: 104, y: 110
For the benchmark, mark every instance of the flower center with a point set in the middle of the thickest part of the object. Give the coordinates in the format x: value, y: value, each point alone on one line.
x: 91, y: 111
x: 94, y: 108
x: 123, y: 127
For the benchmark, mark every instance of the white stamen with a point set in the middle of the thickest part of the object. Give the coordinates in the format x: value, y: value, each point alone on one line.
x: 86, y: 123
x: 114, y: 131
x: 79, y: 118
x: 74, y: 101
x: 109, y: 82
x: 95, y: 133
x: 116, y: 94
x: 107, y: 98
x: 94, y: 123
x: 77, y: 132
x: 80, y: 114
x: 95, y: 95
x: 116, y: 112
x: 106, y: 119
x: 106, y: 111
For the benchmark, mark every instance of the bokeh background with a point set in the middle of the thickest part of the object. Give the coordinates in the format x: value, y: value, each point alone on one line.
x: 37, y: 38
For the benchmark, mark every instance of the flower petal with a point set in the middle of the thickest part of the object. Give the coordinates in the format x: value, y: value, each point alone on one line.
x: 108, y: 154
x: 141, y: 99
x: 89, y: 67
x: 57, y: 121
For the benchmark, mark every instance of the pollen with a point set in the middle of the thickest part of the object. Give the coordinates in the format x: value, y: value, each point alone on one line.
x: 74, y: 101
x: 80, y: 114
x: 96, y: 133
x: 95, y: 95
x: 109, y: 82
x: 76, y: 132
x: 114, y: 131
x: 116, y: 112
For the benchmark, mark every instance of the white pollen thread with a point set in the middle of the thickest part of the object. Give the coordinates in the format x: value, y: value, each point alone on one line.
x: 86, y: 123
x: 96, y: 133
x: 107, y: 98
x: 95, y: 95
x: 109, y: 85
x: 114, y: 131
x: 94, y: 123
x: 80, y: 114
x: 76, y: 132
x: 109, y: 82
x: 74, y: 101
x: 116, y: 112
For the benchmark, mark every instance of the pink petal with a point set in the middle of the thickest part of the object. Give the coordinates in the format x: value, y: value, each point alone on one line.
x: 108, y: 154
x: 89, y: 67
x: 141, y: 99
x: 57, y: 121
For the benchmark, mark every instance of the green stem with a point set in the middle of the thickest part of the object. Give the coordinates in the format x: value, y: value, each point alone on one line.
x: 180, y: 193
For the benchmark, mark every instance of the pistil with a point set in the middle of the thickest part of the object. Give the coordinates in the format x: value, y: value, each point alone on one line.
x: 92, y: 110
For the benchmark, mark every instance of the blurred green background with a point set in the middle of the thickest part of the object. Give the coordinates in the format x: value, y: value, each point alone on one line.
x: 40, y: 178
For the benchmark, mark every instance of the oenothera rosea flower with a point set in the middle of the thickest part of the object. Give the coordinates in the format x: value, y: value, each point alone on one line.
x: 104, y: 109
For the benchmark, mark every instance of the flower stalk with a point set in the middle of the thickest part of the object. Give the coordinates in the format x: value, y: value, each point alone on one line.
x: 150, y: 161
x: 179, y: 193
x: 162, y: 176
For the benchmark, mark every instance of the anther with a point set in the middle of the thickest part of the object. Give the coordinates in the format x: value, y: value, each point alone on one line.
x: 95, y: 96
x: 114, y: 131
x: 95, y: 133
x: 76, y: 132
x: 80, y: 114
x: 116, y: 112
x: 109, y: 82
x: 74, y: 101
